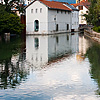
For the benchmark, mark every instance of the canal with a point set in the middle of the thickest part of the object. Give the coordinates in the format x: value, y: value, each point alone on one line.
x: 50, y: 67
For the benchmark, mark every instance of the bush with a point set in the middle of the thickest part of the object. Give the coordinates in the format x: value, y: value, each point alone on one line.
x: 96, y: 28
x: 9, y: 23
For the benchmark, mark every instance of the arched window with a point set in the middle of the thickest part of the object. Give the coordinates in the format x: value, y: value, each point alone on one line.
x: 36, y: 25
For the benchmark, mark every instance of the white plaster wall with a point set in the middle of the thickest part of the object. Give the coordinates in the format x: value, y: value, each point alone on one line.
x: 82, y: 18
x: 42, y: 17
x: 62, y: 20
x: 75, y: 20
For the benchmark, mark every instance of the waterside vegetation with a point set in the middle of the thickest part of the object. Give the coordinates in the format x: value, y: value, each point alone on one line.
x: 9, y: 21
x: 93, y: 16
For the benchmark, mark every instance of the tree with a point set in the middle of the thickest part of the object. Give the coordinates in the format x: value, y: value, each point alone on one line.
x: 9, y: 4
x: 9, y: 22
x: 93, y: 16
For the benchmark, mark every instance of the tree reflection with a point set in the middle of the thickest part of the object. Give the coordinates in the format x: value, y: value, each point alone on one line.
x: 12, y: 70
x: 93, y: 53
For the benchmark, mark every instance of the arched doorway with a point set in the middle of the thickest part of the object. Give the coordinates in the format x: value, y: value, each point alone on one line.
x: 36, y: 25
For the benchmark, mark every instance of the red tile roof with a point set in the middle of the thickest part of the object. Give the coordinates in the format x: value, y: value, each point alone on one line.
x: 82, y: 3
x: 53, y: 5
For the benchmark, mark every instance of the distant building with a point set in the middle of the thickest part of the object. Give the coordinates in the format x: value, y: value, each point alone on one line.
x: 83, y: 7
x: 78, y: 1
x: 47, y: 17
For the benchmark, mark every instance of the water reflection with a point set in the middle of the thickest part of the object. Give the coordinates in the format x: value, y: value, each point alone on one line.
x: 42, y: 49
x: 12, y: 70
x: 68, y: 78
x: 93, y: 53
x: 84, y: 44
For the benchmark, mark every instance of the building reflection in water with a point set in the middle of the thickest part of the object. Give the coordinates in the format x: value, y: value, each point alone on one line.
x: 42, y: 49
x: 84, y: 44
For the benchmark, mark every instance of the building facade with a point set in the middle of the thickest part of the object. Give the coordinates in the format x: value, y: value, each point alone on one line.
x: 78, y: 1
x: 83, y: 7
x: 48, y: 17
x: 74, y: 17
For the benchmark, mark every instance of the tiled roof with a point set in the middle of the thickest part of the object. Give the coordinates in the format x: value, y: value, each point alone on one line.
x: 72, y: 7
x: 82, y: 3
x: 53, y: 5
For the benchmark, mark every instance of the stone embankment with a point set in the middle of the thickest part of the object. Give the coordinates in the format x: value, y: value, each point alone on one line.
x: 93, y: 35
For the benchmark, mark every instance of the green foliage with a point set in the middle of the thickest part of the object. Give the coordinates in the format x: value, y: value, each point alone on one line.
x: 9, y: 22
x: 12, y: 72
x: 7, y: 49
x: 97, y: 29
x: 93, y: 16
x: 13, y: 3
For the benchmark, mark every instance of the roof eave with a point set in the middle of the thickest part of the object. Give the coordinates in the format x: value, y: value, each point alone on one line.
x: 59, y: 9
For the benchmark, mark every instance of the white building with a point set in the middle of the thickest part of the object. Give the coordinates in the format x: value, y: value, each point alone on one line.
x: 27, y: 2
x: 47, y: 17
x: 74, y: 17
x: 49, y: 47
x: 83, y: 7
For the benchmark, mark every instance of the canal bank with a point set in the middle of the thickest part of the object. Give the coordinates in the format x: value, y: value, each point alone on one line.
x: 93, y: 35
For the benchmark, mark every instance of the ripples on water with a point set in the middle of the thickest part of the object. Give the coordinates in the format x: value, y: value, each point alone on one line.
x: 71, y: 74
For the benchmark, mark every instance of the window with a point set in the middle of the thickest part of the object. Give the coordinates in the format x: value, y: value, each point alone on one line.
x: 67, y: 26
x: 54, y: 19
x: 40, y: 10
x: 80, y: 7
x: 31, y: 10
x: 57, y: 27
x: 86, y: 11
x: 57, y: 11
x: 36, y: 10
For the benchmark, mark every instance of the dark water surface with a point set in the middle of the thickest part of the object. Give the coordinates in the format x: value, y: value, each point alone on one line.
x: 54, y: 67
